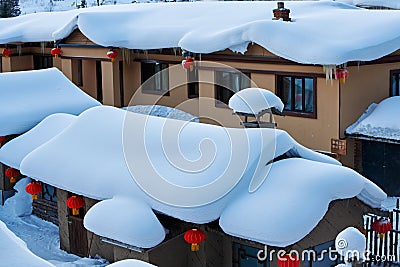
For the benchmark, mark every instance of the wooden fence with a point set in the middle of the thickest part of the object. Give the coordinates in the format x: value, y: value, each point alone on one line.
x: 383, y: 251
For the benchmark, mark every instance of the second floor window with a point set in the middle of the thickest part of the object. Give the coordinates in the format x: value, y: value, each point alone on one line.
x: 154, y: 79
x: 297, y: 94
x: 229, y: 83
x: 395, y: 83
x: 193, y: 83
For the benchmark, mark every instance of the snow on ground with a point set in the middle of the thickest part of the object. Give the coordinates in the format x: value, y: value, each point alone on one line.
x: 131, y: 263
x: 95, y: 146
x: 27, y: 97
x: 41, y: 237
x: 379, y: 120
x: 369, y: 34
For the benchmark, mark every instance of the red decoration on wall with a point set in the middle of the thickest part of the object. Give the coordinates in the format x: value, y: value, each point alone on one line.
x: 12, y: 174
x: 75, y: 203
x: 289, y: 260
x: 194, y: 237
x: 6, y: 52
x: 112, y: 54
x: 34, y: 189
x: 342, y: 74
x: 56, y: 52
x: 381, y: 226
x: 188, y: 63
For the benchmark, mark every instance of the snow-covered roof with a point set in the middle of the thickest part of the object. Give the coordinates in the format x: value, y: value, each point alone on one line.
x: 162, y: 111
x: 14, y: 252
x: 357, y: 34
x: 394, y: 4
x: 379, y: 120
x: 254, y: 101
x: 27, y: 97
x: 108, y: 154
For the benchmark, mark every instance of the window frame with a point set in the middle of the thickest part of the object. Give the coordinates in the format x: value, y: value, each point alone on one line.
x: 219, y: 103
x: 42, y: 62
x: 392, y: 73
x: 142, y: 78
x: 279, y: 93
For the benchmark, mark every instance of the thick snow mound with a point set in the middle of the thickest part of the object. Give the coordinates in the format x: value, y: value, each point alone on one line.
x: 162, y: 111
x: 349, y: 241
x: 14, y: 252
x: 254, y: 101
x: 393, y: 4
x: 12, y: 153
x: 131, y: 263
x: 379, y: 121
x: 295, y: 188
x: 108, y: 154
x: 369, y: 34
x: 27, y: 97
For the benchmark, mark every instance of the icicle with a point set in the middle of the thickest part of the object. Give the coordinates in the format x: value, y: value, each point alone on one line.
x: 19, y: 49
x: 175, y: 50
x: 200, y: 56
x: 329, y: 70
x: 126, y: 55
x: 42, y: 47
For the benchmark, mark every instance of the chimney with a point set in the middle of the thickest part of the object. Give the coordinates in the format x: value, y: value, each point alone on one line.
x: 281, y: 12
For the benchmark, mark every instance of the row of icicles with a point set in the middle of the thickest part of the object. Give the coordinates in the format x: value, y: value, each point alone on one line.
x: 339, y: 73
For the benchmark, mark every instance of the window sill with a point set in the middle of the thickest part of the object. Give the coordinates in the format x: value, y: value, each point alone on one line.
x: 219, y: 104
x: 300, y: 114
x: 155, y: 92
x: 193, y: 96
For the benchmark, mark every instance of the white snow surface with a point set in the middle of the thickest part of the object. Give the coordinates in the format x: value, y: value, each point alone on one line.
x: 311, y: 37
x: 394, y: 4
x: 348, y: 241
x: 27, y: 97
x: 131, y: 263
x: 34, y: 234
x: 14, y: 251
x: 254, y: 100
x: 107, y: 151
x: 379, y: 120
x: 162, y: 111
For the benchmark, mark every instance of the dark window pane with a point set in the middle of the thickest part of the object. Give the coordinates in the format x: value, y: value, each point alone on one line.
x: 193, y: 83
x: 395, y: 84
x: 298, y: 90
x: 228, y: 83
x: 309, y: 97
x: 287, y: 92
x: 153, y: 79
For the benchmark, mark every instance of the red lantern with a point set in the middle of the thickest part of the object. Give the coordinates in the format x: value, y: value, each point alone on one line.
x: 2, y: 139
x: 188, y: 63
x: 56, y: 52
x: 12, y: 174
x: 6, y: 52
x: 289, y: 260
x: 194, y: 237
x: 112, y: 54
x: 75, y: 203
x: 381, y: 226
x: 342, y: 74
x: 34, y: 189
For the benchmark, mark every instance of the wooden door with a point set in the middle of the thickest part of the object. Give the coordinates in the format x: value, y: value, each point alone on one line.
x: 77, y: 236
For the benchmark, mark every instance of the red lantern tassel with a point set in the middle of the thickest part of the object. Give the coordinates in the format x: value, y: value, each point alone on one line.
x: 13, y: 180
x: 195, y: 247
x: 75, y: 212
x: 34, y: 197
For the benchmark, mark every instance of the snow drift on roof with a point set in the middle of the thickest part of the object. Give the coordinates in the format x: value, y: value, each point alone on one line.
x: 27, y: 97
x: 14, y: 252
x: 254, y: 101
x: 312, y: 38
x: 96, y: 161
x: 379, y: 121
x: 394, y: 4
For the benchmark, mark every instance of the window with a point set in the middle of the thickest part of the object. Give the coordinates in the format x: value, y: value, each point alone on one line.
x: 80, y: 75
x: 228, y: 83
x: 99, y: 82
x: 248, y: 256
x: 154, y: 79
x: 395, y: 82
x: 193, y: 83
x: 298, y: 95
x: 49, y: 192
x: 121, y: 83
x: 42, y: 62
